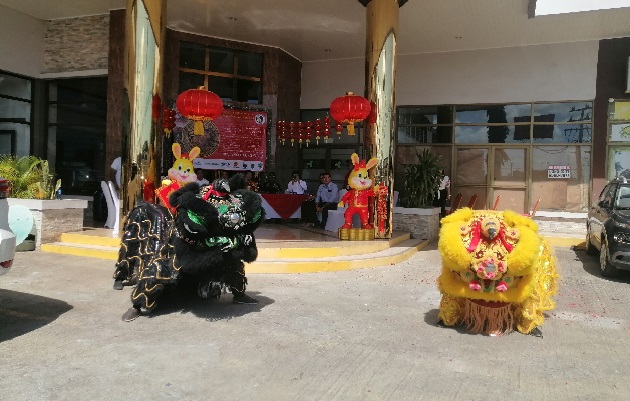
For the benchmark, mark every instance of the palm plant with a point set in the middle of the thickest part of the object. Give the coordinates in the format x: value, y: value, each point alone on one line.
x: 420, y: 179
x: 29, y: 177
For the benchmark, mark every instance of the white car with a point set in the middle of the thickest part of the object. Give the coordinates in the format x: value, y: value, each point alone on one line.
x: 7, y: 238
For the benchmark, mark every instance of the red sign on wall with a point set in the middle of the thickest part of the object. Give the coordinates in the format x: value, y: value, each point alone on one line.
x: 242, y: 141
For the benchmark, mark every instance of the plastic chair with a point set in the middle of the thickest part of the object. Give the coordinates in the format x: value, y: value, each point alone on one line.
x: 472, y: 201
x: 113, y: 206
x: 496, y: 202
x: 456, y: 203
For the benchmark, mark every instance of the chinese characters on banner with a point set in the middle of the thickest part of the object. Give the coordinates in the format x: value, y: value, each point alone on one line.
x: 242, y: 142
x: 559, y: 172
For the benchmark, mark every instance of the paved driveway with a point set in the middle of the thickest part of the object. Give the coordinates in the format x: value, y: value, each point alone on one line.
x: 353, y: 335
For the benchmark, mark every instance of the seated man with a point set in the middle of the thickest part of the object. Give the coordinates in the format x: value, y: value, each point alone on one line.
x: 327, y: 198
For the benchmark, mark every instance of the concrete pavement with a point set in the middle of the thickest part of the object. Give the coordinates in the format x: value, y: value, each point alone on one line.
x: 365, y: 334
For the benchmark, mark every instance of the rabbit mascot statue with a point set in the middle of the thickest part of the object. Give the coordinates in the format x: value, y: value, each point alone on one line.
x: 358, y: 198
x: 203, y: 245
x: 498, y: 274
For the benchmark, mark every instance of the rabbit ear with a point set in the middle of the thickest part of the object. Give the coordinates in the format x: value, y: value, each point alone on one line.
x: 177, y: 150
x: 373, y: 161
x: 194, y: 152
x: 355, y: 159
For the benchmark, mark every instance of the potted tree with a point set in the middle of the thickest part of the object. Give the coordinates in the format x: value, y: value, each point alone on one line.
x: 31, y: 185
x: 420, y: 184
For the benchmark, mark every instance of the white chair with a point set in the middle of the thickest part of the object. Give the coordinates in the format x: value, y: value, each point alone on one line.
x: 113, y: 203
x: 116, y: 199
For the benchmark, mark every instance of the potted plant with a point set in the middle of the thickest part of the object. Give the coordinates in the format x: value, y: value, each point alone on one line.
x: 420, y: 180
x: 420, y: 184
x: 32, y: 186
x: 29, y: 177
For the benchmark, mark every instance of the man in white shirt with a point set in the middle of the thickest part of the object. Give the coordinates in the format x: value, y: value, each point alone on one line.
x: 327, y: 198
x: 444, y: 192
x: 117, y: 165
x: 201, y: 180
x: 296, y: 185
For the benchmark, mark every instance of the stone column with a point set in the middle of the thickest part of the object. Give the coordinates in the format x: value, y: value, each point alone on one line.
x: 141, y: 136
x: 380, y: 59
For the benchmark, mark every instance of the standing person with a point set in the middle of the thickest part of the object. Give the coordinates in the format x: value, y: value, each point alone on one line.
x: 296, y: 185
x: 201, y: 180
x: 117, y: 166
x: 327, y: 198
x: 443, y: 193
x: 309, y: 209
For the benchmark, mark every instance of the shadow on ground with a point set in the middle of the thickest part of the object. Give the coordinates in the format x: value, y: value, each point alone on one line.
x: 180, y: 301
x: 590, y: 264
x: 21, y: 313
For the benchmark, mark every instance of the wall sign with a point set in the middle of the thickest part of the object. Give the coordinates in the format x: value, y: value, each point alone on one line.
x: 559, y: 172
x: 242, y: 141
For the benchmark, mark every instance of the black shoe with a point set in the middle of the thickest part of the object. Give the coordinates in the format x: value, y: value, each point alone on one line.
x: 118, y: 285
x: 131, y: 314
x: 244, y: 299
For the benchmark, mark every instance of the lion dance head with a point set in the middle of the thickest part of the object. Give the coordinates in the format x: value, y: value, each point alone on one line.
x: 498, y: 275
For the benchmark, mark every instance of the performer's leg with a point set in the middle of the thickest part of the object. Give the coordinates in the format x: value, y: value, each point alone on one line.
x: 237, y: 281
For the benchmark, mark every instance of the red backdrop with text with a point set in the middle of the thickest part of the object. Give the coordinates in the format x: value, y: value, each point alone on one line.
x: 242, y: 141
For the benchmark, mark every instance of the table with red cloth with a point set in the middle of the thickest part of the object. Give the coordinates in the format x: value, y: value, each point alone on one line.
x: 283, y: 206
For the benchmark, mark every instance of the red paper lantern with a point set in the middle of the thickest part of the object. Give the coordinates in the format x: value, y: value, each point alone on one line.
x: 350, y: 109
x: 168, y: 120
x: 199, y: 105
x: 156, y: 105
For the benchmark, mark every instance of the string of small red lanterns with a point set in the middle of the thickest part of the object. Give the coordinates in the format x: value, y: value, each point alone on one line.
x: 302, y: 132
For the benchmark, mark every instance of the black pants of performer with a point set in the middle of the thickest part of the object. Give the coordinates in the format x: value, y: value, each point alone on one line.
x: 441, y: 202
x: 309, y: 214
x: 326, y: 206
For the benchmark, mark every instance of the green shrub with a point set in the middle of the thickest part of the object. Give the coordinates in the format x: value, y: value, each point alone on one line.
x: 29, y: 177
x: 420, y: 180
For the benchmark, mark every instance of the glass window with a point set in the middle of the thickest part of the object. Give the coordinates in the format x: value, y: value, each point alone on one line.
x: 562, y: 194
x: 510, y: 166
x: 482, y: 114
x: 250, y: 64
x: 620, y: 132
x: 15, y: 110
x: 471, y: 166
x: 222, y: 60
x: 563, y: 133
x: 189, y: 80
x: 565, y: 112
x: 16, y: 87
x: 619, y: 162
x: 425, y: 115
x: 192, y: 55
x: 232, y: 75
x: 490, y: 134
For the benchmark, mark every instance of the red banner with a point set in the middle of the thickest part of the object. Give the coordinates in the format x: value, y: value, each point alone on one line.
x: 242, y: 141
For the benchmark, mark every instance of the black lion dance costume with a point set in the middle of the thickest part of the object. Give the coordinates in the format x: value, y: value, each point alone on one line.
x: 205, y: 244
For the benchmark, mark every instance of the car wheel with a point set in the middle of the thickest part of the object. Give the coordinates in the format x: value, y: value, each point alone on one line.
x: 606, y: 268
x: 588, y: 245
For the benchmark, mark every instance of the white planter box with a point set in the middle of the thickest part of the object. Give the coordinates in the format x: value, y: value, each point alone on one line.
x: 53, y: 217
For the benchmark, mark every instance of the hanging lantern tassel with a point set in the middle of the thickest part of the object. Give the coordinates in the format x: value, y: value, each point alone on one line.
x: 350, y: 128
x: 198, y: 129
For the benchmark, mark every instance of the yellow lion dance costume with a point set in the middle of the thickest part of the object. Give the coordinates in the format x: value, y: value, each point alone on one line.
x: 498, y: 274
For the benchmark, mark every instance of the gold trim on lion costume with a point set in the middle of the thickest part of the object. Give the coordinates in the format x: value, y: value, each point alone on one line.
x: 498, y: 275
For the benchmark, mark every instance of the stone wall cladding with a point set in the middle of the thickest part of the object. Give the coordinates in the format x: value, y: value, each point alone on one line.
x: 54, y: 222
x: 420, y: 226
x: 76, y: 44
